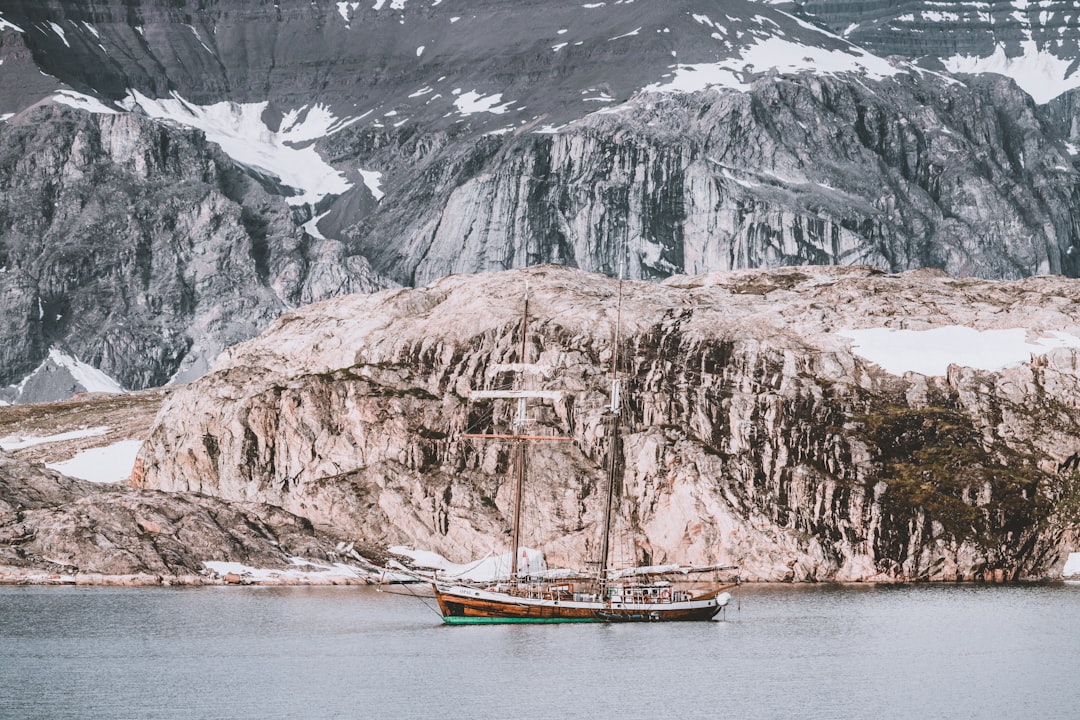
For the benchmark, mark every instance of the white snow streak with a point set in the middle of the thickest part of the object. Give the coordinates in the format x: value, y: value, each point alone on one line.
x: 83, y: 102
x: 60, y: 31
x: 1072, y: 566
x: 18, y: 442
x: 632, y: 33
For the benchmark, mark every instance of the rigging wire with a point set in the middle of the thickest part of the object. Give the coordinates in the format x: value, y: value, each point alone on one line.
x: 418, y: 597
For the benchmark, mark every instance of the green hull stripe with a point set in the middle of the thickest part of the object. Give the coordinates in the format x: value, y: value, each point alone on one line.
x: 462, y: 620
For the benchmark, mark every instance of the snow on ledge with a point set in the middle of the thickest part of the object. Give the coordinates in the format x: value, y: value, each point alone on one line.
x: 109, y: 464
x: 8, y: 25
x: 930, y: 352
x: 1072, y: 566
x: 18, y: 442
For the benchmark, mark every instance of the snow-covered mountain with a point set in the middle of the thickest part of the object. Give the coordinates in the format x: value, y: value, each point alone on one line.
x: 175, y: 174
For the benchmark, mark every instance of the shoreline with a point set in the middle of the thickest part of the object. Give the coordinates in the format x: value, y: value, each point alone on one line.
x: 40, y: 578
x: 10, y: 577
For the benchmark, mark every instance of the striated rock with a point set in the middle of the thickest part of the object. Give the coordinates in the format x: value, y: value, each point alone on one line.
x: 141, y: 250
x: 793, y: 171
x: 57, y: 529
x: 756, y: 435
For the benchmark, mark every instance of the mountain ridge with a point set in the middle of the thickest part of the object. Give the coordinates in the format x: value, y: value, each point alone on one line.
x: 412, y: 140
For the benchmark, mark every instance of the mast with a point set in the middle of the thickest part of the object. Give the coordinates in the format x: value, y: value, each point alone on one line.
x: 519, y: 446
x: 518, y: 435
x: 612, y: 432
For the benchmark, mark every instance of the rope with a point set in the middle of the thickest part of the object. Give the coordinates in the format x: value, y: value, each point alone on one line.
x: 418, y: 597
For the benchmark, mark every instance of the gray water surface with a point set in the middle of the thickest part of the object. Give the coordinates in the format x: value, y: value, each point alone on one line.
x: 825, y: 651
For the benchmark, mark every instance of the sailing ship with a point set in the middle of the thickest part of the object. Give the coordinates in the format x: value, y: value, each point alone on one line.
x: 638, y: 594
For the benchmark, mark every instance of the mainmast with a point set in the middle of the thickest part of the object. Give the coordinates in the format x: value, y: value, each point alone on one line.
x: 611, y: 418
x: 519, y: 445
x: 518, y: 433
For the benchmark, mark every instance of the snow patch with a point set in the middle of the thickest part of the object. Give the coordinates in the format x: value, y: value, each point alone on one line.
x: 473, y: 102
x: 304, y: 571
x: 240, y: 131
x: 373, y: 182
x: 109, y: 464
x: 1040, y: 74
x: 87, y: 376
x: 311, y: 227
x: 18, y: 442
x: 345, y: 9
x: 772, y: 54
x: 930, y: 352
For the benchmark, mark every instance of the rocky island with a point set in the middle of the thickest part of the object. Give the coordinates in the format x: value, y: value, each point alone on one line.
x: 766, y: 428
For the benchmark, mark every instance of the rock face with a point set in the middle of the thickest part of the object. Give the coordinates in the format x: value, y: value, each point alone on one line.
x: 142, y: 250
x: 924, y: 28
x: 337, y: 147
x: 50, y: 523
x: 755, y: 434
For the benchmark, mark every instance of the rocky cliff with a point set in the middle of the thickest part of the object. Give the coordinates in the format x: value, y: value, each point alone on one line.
x: 55, y: 527
x: 199, y: 167
x: 141, y: 249
x: 762, y: 427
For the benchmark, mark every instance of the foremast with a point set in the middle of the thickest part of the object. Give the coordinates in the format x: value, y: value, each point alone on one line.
x: 518, y: 432
x: 614, y: 466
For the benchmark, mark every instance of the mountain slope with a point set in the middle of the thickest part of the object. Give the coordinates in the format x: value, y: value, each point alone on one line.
x: 1034, y: 43
x: 338, y: 146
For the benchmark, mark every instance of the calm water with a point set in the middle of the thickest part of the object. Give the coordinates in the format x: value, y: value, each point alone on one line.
x: 815, y: 652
